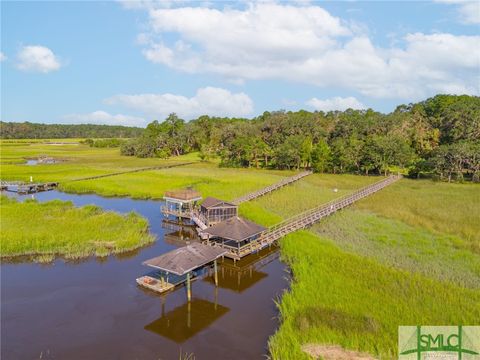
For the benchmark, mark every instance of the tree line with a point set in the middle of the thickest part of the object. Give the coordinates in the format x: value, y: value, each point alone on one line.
x: 27, y: 130
x: 437, y: 137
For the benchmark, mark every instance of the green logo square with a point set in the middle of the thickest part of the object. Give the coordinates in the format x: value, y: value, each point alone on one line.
x: 439, y: 342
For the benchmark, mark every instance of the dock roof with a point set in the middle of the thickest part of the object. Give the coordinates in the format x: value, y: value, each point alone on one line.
x: 235, y: 228
x: 183, y: 194
x: 185, y: 259
x: 210, y: 202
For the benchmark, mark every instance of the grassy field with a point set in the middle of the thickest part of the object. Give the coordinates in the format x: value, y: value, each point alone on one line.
x: 75, y: 161
x: 82, y: 161
x: 406, y: 255
x: 27, y: 230
x: 364, y: 271
x: 337, y: 297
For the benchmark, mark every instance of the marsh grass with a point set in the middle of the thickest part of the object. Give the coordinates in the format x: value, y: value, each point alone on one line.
x: 78, y: 160
x: 364, y: 271
x: 208, y: 178
x: 78, y: 232
x: 392, y: 242
x: 341, y: 298
x: 438, y: 207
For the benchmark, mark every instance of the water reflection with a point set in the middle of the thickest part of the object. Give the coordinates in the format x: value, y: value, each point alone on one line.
x: 187, y: 320
x: 243, y: 274
x: 180, y: 234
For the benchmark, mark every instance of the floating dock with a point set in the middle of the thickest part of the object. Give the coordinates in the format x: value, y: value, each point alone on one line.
x: 27, y: 188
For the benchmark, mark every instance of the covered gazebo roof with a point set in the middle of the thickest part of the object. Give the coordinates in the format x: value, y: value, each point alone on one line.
x: 235, y: 228
x: 185, y: 259
x: 184, y: 195
x: 211, y: 202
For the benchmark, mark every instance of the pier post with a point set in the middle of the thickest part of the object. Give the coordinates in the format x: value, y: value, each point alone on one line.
x: 215, y: 270
x: 189, y: 291
x: 189, y: 315
x: 163, y: 305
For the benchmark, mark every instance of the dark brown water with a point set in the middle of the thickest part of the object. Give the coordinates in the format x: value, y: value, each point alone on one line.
x: 93, y: 309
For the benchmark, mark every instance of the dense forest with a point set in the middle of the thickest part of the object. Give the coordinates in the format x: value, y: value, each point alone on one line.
x: 27, y: 130
x: 438, y: 137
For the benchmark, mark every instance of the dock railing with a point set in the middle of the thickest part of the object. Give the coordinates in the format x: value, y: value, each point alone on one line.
x: 270, y: 188
x: 309, y: 217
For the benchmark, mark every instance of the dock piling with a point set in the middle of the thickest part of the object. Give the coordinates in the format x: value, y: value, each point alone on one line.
x: 189, y: 291
x: 215, y: 270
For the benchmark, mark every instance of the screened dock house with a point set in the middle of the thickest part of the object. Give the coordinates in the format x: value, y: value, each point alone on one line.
x: 181, y: 203
x: 237, y: 235
x: 214, y: 211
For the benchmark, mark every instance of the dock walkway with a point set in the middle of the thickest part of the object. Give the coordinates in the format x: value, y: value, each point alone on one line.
x: 270, y: 188
x: 303, y: 220
x: 158, y: 167
x: 311, y: 216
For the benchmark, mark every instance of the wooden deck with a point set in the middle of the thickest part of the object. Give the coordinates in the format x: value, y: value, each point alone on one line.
x: 270, y: 188
x: 303, y: 220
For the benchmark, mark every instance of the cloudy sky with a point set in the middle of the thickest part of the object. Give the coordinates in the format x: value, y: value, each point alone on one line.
x: 129, y: 62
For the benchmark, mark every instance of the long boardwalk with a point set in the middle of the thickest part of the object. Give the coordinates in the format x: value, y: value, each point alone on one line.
x: 159, y: 167
x: 303, y: 220
x: 270, y: 188
x: 311, y: 216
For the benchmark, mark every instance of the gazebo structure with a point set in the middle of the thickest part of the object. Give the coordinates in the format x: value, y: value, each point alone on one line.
x: 237, y: 235
x: 179, y: 266
x: 180, y: 203
x: 214, y: 210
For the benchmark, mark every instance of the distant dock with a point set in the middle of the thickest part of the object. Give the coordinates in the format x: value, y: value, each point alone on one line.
x: 27, y: 188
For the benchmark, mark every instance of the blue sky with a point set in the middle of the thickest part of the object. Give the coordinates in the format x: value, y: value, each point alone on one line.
x: 132, y: 62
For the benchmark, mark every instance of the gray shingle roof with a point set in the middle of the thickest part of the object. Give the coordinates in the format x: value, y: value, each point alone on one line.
x: 210, y: 202
x: 185, y: 259
x: 235, y: 228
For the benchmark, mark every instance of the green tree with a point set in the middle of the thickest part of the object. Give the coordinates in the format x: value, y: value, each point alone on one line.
x: 321, y: 156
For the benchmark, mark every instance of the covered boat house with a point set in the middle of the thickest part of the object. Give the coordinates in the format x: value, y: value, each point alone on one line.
x: 214, y: 211
x: 237, y: 235
x: 180, y: 203
x: 179, y: 266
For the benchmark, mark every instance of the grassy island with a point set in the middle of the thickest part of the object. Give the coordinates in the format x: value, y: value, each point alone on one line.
x: 79, y: 232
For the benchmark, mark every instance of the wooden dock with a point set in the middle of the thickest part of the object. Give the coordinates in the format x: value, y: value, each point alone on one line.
x: 27, y: 188
x: 273, y: 187
x: 303, y: 220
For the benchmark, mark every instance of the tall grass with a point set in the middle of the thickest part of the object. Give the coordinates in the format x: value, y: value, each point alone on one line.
x: 366, y: 270
x: 392, y: 242
x: 77, y: 161
x: 439, y: 207
x: 52, y: 228
x: 342, y: 298
x: 208, y: 178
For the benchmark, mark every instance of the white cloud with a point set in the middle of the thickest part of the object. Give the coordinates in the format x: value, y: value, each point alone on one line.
x: 469, y: 10
x: 2, y: 57
x: 102, y: 117
x: 308, y: 45
x: 37, y: 58
x: 336, y: 103
x: 207, y: 101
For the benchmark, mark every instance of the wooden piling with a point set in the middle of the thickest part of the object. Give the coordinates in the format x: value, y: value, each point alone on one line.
x: 215, y: 270
x: 189, y: 290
